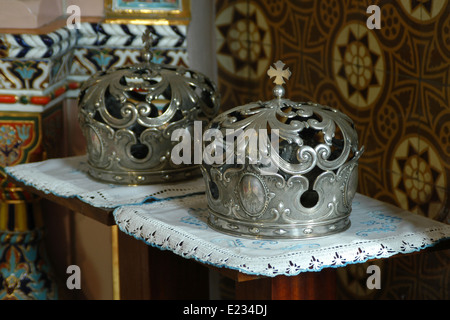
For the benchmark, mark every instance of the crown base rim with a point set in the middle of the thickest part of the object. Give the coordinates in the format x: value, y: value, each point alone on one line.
x: 136, y: 178
x: 292, y: 231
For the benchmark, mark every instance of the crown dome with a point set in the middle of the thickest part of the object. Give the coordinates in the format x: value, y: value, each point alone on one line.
x: 281, y: 169
x: 128, y: 115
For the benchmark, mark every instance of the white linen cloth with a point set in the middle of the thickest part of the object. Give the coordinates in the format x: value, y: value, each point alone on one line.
x: 68, y: 178
x: 176, y: 220
x: 378, y: 230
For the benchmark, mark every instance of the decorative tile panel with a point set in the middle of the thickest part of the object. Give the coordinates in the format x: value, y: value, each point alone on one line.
x: 38, y: 71
x: 19, y: 138
x: 37, y: 46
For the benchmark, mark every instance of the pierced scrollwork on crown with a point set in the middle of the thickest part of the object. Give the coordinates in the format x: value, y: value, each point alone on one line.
x: 298, y: 125
x: 137, y: 88
x: 302, y: 179
x: 128, y: 115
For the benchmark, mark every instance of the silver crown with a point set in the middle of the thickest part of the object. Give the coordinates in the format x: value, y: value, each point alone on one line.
x: 128, y: 115
x: 301, y: 181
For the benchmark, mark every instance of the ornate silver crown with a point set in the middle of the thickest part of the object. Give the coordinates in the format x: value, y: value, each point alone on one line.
x: 281, y: 169
x: 128, y: 116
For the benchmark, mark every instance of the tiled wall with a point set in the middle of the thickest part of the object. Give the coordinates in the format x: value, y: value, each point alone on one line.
x: 394, y: 82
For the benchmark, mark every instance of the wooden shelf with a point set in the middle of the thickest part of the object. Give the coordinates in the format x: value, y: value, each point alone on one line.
x: 102, y: 215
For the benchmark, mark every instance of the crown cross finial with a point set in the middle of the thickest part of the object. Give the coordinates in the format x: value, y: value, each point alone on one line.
x: 279, y: 73
x: 147, y: 39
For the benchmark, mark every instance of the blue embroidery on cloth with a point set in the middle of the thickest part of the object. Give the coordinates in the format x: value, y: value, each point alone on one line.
x: 261, y: 244
x: 381, y: 223
x: 194, y: 222
x: 196, y: 217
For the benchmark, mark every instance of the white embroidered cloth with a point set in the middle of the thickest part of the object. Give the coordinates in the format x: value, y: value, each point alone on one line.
x: 68, y: 178
x: 175, y: 220
x: 378, y: 230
